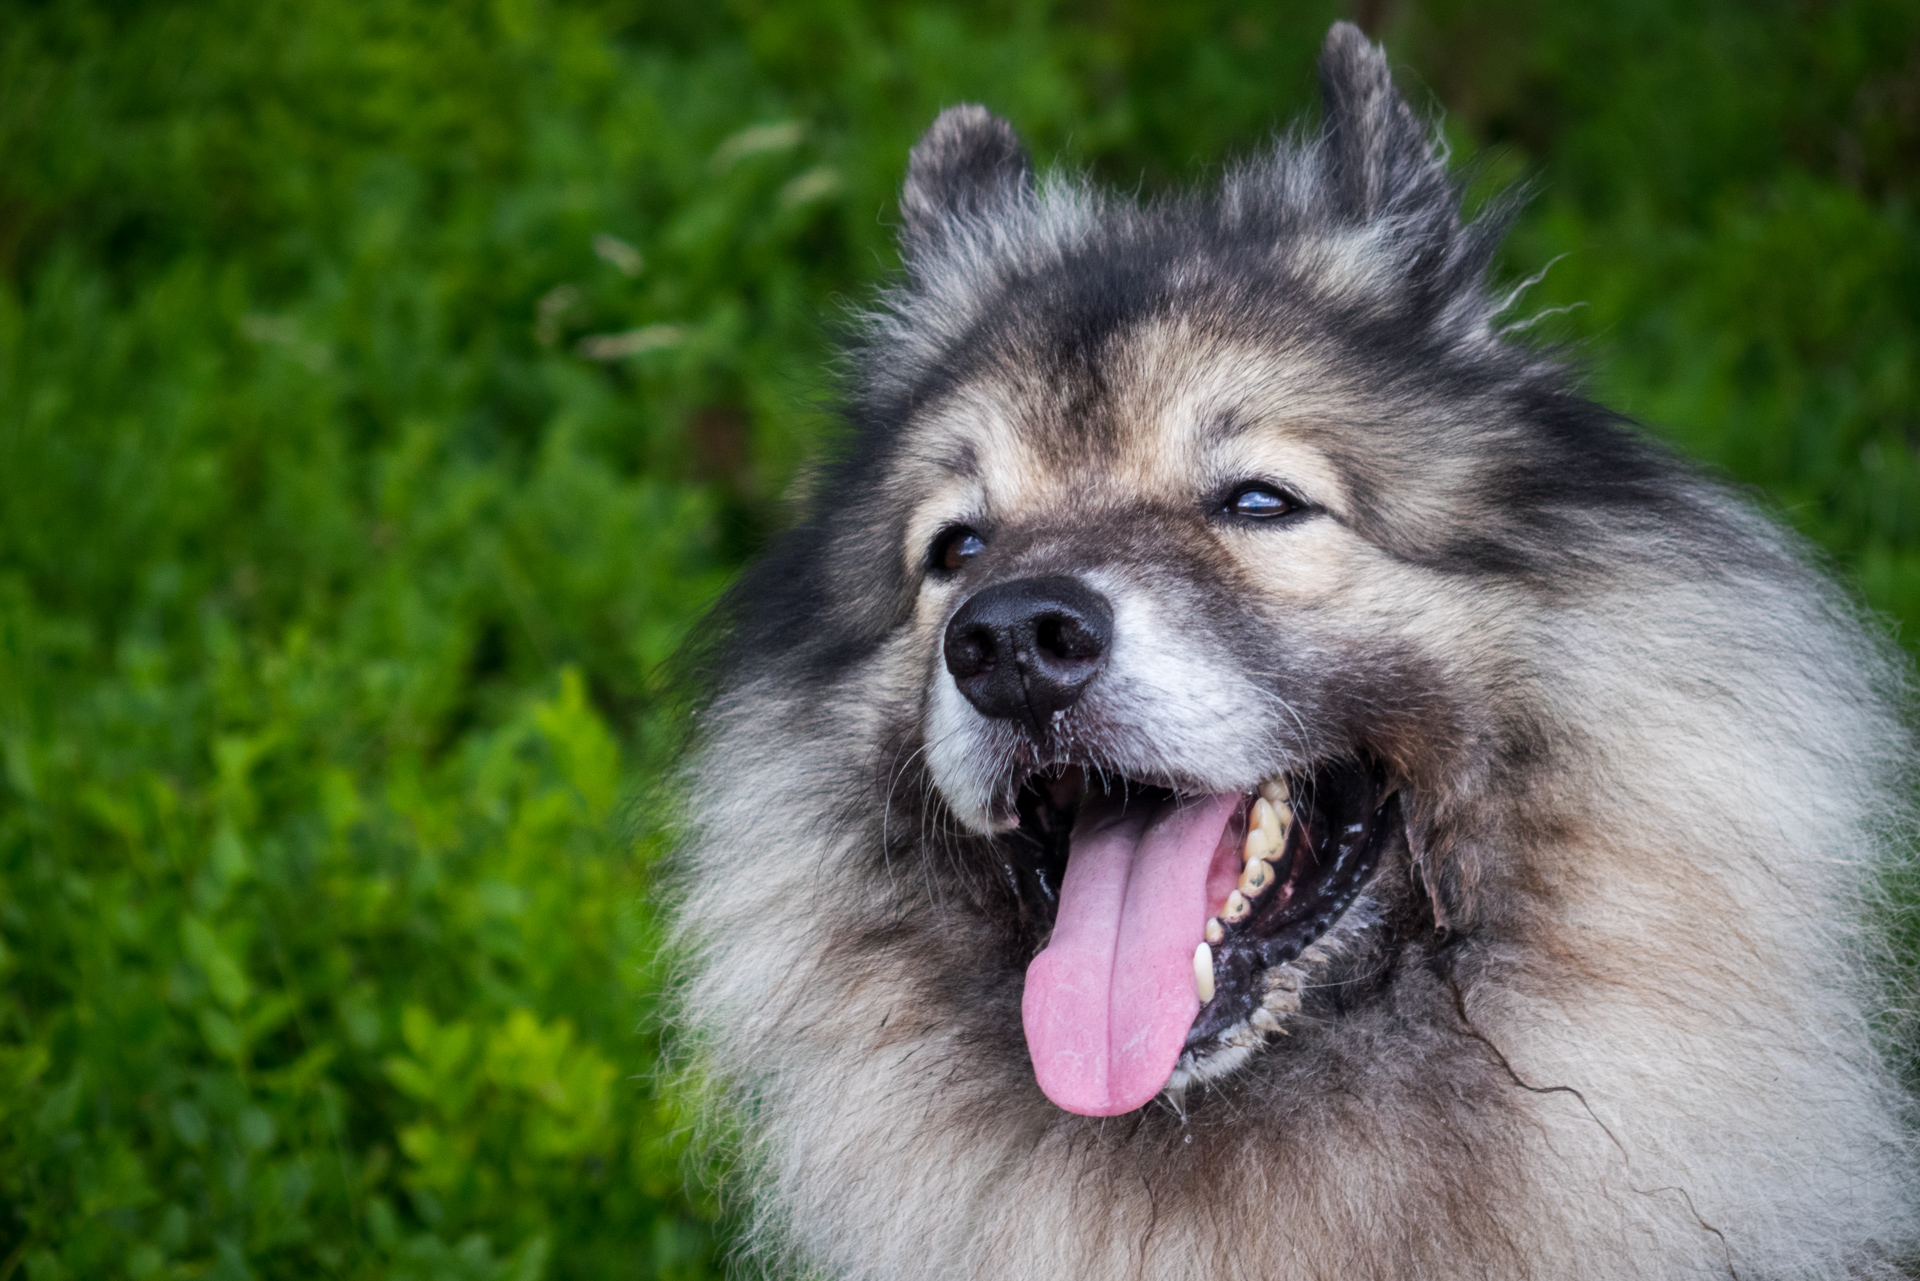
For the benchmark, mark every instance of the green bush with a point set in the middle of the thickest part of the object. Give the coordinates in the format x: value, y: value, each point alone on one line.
x: 386, y: 387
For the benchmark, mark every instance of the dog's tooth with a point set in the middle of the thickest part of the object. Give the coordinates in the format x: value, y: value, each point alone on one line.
x: 1257, y: 876
x: 1258, y: 815
x: 1274, y: 790
x: 1270, y: 821
x: 1259, y: 844
x: 1236, y: 909
x: 1203, y: 972
x: 1215, y: 931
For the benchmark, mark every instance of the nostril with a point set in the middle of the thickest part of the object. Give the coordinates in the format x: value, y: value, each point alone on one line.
x: 1065, y: 637
x: 970, y: 651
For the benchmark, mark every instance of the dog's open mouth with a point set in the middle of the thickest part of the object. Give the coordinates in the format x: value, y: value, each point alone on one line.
x: 1175, y: 919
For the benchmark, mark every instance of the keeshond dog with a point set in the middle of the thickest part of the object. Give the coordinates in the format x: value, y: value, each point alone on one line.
x: 1243, y: 771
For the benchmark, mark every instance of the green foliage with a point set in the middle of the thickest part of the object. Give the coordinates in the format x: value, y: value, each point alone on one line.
x: 385, y: 387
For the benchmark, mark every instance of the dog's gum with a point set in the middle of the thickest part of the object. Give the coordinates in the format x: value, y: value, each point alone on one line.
x: 1236, y: 909
x: 1203, y: 972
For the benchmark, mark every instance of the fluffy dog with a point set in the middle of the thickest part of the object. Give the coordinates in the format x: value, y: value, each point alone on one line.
x: 1245, y: 772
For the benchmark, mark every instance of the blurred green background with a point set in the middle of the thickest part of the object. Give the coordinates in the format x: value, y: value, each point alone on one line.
x: 385, y: 387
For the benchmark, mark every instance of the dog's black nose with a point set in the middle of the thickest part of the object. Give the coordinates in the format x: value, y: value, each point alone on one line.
x: 1027, y: 649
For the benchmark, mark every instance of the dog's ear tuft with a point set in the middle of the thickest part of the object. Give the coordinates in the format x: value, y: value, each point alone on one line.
x: 1377, y: 152
x: 969, y: 164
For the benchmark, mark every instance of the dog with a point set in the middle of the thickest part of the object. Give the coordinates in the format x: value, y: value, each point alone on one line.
x: 1242, y: 770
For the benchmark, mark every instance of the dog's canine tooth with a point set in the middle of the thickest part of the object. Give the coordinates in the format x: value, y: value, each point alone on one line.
x: 1255, y: 879
x: 1203, y: 972
x: 1261, y: 812
x: 1236, y: 909
x: 1215, y: 931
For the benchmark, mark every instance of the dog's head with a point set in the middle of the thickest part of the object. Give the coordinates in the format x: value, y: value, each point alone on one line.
x: 1203, y: 530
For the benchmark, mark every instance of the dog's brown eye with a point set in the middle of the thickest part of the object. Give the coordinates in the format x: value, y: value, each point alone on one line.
x: 1261, y: 502
x: 954, y: 547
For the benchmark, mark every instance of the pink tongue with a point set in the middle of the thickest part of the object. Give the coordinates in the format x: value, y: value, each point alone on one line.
x: 1109, y: 1002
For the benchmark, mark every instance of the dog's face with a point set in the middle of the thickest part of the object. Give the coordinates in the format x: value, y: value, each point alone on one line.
x: 1197, y: 595
x: 1173, y: 678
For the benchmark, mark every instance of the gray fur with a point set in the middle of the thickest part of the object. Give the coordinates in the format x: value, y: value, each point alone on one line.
x: 1610, y: 1009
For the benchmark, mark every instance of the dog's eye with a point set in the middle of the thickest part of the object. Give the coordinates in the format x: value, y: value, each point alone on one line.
x: 953, y: 547
x: 1261, y: 502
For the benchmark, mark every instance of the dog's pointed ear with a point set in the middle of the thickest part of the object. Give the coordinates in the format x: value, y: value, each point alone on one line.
x: 969, y: 164
x: 1376, y: 149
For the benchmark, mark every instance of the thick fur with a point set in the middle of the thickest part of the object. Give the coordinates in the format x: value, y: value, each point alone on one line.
x: 1610, y: 1009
